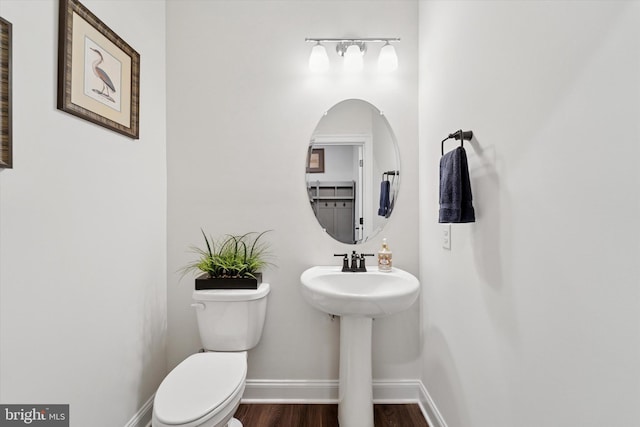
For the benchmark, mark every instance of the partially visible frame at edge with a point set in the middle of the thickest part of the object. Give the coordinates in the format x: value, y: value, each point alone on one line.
x: 6, y: 136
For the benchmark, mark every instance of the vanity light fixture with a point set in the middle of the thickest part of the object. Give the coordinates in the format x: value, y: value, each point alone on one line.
x: 387, y: 60
x: 354, y: 59
x: 319, y: 60
x: 353, y: 51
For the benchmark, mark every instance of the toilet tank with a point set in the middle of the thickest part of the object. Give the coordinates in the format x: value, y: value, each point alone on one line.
x: 231, y: 319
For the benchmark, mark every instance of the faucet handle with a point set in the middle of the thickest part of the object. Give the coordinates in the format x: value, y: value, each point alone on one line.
x: 363, y: 267
x: 345, y: 261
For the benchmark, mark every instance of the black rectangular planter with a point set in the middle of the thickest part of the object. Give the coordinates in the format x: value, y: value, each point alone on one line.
x: 206, y: 282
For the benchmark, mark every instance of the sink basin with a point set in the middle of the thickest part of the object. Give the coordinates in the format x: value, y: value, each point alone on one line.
x: 366, y: 294
x: 357, y: 298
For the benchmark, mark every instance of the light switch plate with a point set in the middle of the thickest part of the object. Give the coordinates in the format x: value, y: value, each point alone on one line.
x: 446, y: 236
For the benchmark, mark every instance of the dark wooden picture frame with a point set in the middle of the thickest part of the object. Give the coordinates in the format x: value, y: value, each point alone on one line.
x: 6, y: 136
x: 98, y: 72
x: 315, y: 160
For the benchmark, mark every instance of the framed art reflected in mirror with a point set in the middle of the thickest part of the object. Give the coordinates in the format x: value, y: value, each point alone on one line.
x: 315, y: 160
x: 98, y: 72
x: 6, y: 143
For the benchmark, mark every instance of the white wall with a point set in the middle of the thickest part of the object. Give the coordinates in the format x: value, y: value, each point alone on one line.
x: 340, y: 164
x: 532, y: 318
x: 83, y: 230
x: 242, y: 106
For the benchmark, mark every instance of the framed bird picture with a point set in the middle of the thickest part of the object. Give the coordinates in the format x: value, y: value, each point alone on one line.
x: 98, y: 72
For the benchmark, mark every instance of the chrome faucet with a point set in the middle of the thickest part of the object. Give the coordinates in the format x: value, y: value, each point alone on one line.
x: 357, y: 262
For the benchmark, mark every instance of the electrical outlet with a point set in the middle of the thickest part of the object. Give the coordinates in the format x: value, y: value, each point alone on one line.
x: 446, y: 236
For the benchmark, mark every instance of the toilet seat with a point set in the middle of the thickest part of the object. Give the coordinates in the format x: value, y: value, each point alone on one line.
x: 204, y: 386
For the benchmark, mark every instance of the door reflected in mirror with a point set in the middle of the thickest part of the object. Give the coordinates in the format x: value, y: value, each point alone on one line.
x: 353, y: 171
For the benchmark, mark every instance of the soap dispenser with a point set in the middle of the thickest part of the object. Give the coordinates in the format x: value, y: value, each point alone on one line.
x: 385, y: 261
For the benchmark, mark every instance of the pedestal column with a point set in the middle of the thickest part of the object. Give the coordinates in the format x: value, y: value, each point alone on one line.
x: 355, y: 402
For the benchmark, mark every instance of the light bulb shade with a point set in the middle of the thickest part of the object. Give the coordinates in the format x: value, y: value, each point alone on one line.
x: 387, y: 60
x: 353, y: 59
x: 318, y: 60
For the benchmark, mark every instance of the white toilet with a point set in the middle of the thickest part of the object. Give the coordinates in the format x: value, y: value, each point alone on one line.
x: 205, y: 389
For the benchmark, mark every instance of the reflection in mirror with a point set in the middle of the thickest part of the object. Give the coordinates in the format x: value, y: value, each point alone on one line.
x: 353, y: 171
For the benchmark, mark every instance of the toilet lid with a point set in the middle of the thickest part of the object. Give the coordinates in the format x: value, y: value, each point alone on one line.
x: 199, y: 385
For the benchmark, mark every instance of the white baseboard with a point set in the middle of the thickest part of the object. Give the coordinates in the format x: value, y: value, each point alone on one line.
x: 290, y: 391
x: 142, y: 418
x: 321, y: 391
x: 429, y: 409
x: 326, y: 391
x: 396, y: 391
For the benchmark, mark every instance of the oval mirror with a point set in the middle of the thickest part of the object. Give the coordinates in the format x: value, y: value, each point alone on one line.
x: 353, y: 171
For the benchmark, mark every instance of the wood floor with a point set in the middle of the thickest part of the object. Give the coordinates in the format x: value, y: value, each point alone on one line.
x: 286, y: 415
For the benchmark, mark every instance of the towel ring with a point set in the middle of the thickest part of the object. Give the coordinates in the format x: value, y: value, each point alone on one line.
x: 459, y: 134
x: 389, y: 173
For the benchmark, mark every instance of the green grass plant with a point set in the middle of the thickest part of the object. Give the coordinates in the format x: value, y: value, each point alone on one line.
x: 231, y: 256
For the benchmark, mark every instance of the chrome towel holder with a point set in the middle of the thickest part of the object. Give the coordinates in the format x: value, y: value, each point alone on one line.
x: 457, y: 135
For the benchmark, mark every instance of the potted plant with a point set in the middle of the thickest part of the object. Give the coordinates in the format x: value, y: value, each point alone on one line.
x: 232, y: 262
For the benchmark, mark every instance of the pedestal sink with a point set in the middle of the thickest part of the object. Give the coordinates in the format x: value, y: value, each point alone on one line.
x: 357, y: 298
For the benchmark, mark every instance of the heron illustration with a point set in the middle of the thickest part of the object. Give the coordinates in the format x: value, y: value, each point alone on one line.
x: 103, y: 76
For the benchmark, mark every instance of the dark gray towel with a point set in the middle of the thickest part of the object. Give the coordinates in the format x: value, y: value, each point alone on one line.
x: 455, y: 188
x: 385, y: 200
